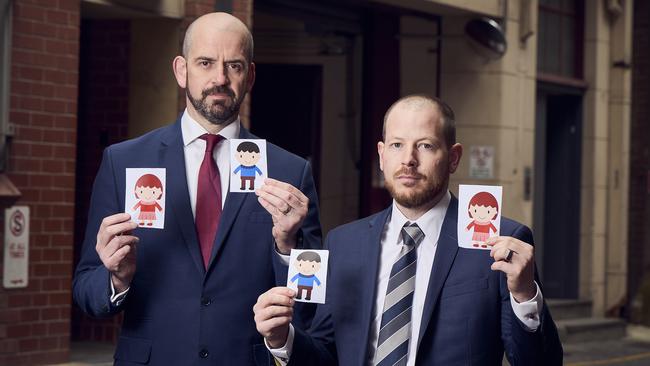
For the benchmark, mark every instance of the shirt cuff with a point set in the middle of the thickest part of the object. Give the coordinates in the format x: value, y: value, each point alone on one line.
x: 528, y: 311
x: 283, y: 257
x: 116, y: 299
x: 283, y: 353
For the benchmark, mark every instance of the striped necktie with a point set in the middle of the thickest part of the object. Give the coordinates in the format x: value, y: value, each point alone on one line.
x: 395, y: 328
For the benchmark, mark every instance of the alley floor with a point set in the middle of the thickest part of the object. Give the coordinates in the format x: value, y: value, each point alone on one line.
x: 633, y: 350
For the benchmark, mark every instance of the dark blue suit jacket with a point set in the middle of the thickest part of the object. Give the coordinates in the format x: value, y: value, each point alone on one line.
x: 467, y: 317
x: 177, y: 311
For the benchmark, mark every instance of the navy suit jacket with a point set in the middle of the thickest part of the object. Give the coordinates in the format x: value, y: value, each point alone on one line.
x: 467, y: 317
x: 177, y: 312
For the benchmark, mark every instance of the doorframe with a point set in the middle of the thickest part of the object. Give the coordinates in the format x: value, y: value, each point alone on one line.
x: 544, y: 89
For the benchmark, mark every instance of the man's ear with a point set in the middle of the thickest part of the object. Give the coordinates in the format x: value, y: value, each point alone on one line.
x: 180, y: 71
x: 380, y: 152
x: 251, y: 76
x: 455, y: 153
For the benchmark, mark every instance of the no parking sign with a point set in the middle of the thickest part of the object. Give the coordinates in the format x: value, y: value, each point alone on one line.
x: 16, y: 255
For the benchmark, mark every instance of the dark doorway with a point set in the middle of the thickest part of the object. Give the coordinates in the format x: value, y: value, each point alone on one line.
x: 557, y: 211
x: 286, y: 109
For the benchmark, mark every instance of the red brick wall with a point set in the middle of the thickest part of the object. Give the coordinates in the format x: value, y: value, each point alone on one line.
x: 103, y: 120
x: 34, y: 322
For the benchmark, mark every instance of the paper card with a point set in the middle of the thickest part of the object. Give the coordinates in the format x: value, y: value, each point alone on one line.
x: 308, y: 274
x: 145, y: 196
x: 479, y: 215
x: 248, y: 165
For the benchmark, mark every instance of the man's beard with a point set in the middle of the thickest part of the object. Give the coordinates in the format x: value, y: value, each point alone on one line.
x: 412, y: 197
x: 217, y: 116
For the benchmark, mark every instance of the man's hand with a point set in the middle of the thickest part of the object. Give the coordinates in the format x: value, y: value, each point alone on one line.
x: 273, y: 313
x: 288, y: 208
x: 520, y: 269
x: 117, y: 249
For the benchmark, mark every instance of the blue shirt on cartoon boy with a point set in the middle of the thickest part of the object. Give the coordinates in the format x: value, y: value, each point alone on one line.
x: 306, y: 280
x: 248, y: 171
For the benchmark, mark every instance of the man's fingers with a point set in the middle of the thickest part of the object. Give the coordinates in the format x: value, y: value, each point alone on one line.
x: 114, y: 219
x: 278, y: 204
x: 266, y: 328
x: 112, y: 262
x: 118, y: 242
x: 502, y: 266
x: 274, y: 311
x: 268, y: 206
x: 274, y: 183
x: 501, y: 253
x: 106, y: 233
x: 287, y: 193
x: 281, y: 296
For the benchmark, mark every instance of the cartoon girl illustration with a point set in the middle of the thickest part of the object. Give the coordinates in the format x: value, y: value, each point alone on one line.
x: 482, y: 209
x: 148, y: 190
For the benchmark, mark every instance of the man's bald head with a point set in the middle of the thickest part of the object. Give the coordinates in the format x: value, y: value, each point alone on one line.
x: 222, y: 22
x: 421, y: 101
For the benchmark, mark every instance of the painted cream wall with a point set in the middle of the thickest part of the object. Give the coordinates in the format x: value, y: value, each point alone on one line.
x: 619, y: 129
x: 606, y: 148
x: 494, y: 101
x: 418, y: 57
x: 492, y: 8
x: 153, y: 92
x: 285, y: 41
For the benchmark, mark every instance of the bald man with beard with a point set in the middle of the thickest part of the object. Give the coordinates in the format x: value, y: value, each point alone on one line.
x: 186, y: 291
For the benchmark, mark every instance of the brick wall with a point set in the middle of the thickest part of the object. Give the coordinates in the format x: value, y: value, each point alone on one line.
x: 103, y: 120
x: 34, y: 322
x: 639, y: 234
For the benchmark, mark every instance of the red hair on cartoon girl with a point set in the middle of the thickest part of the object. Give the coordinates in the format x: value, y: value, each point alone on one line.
x: 484, y: 199
x: 150, y: 181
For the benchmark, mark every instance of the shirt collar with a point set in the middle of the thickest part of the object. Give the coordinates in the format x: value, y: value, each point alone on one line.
x: 430, y: 223
x: 192, y: 130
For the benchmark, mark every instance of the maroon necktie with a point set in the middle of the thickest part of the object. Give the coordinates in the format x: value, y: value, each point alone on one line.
x: 208, y: 198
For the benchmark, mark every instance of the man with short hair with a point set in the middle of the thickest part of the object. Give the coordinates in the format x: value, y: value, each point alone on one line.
x: 180, y: 288
x: 400, y: 290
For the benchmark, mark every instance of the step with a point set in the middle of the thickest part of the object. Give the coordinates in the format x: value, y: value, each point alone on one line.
x: 562, y: 309
x: 591, y: 329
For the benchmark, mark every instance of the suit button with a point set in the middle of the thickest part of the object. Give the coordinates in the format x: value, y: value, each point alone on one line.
x: 205, y: 301
x: 204, y: 353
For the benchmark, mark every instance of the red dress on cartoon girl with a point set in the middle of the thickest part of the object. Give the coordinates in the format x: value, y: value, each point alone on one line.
x: 148, y: 189
x: 482, y: 208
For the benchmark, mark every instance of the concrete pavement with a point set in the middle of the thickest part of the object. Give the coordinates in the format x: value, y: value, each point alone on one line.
x: 633, y: 350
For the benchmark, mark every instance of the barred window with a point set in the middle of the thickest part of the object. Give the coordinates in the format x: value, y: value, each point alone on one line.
x: 559, y: 48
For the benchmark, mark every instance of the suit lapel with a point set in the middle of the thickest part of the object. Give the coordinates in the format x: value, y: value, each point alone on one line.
x: 368, y: 272
x: 445, y: 255
x: 173, y: 158
x: 234, y: 202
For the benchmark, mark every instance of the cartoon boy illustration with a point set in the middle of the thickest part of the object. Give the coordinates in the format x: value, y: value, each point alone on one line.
x: 248, y: 154
x: 307, y: 264
x: 148, y: 189
x: 483, y: 208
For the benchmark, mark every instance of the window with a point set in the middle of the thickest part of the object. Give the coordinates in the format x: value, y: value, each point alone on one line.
x: 559, y: 47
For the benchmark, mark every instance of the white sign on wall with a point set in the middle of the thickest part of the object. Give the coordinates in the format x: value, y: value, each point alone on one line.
x: 16, y: 253
x: 481, y: 162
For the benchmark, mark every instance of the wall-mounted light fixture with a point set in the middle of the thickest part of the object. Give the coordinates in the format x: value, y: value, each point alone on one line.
x: 488, y: 37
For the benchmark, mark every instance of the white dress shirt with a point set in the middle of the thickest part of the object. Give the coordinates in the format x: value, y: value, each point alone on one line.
x: 431, y: 224
x: 194, y: 151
